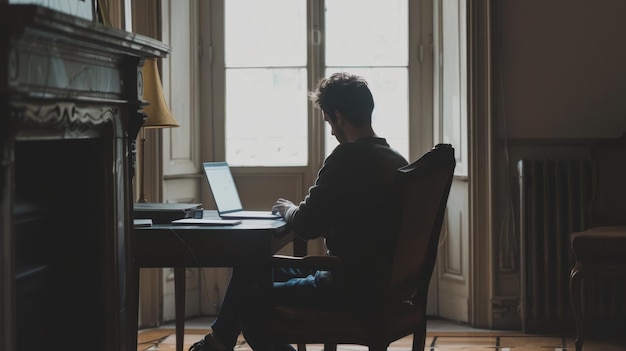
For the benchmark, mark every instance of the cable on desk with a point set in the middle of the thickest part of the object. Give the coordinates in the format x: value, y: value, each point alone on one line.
x: 186, y: 246
x: 197, y: 261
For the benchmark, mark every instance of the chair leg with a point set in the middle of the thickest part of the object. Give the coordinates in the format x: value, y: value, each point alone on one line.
x: 301, y: 347
x: 179, y: 300
x: 378, y: 347
x: 330, y: 347
x: 575, y: 285
x: 419, y: 338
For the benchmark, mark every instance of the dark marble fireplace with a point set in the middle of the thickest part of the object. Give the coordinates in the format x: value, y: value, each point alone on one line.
x: 70, y: 101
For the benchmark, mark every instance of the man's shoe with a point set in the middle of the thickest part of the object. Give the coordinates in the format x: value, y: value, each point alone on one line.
x: 209, y: 343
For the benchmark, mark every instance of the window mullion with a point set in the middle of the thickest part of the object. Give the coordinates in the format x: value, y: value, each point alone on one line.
x: 315, y: 67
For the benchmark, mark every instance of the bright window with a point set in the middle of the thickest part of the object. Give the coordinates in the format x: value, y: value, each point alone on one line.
x: 266, y: 82
x: 268, y: 72
x: 373, y: 42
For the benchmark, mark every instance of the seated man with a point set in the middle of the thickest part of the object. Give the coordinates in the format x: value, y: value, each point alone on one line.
x: 350, y: 206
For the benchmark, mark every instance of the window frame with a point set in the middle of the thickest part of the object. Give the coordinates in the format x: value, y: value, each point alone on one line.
x: 420, y: 75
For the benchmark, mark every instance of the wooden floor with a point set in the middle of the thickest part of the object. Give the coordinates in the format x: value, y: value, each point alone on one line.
x: 442, y: 336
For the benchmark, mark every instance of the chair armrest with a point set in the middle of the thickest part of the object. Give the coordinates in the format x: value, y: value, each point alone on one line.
x: 321, y: 262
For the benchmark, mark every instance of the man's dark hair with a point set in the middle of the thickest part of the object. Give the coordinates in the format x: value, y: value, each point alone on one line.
x: 346, y: 93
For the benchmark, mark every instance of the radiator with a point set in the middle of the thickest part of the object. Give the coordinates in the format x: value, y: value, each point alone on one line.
x: 554, y: 198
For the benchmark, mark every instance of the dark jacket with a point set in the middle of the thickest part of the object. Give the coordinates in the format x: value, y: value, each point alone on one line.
x: 350, y: 206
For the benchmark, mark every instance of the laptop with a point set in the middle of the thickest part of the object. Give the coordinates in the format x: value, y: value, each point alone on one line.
x: 225, y: 193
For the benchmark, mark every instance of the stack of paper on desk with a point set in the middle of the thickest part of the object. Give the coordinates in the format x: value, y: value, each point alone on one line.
x: 206, y: 221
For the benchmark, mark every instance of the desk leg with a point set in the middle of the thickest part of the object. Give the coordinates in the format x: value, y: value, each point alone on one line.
x: 257, y: 305
x: 299, y: 247
x: 133, y: 309
x: 179, y: 297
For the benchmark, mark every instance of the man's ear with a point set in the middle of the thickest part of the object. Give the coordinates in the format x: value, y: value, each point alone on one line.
x: 338, y: 117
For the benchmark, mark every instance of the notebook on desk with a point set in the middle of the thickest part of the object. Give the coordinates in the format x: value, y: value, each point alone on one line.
x: 225, y: 193
x: 163, y: 213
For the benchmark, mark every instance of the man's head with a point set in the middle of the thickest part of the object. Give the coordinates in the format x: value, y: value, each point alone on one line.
x: 343, y: 97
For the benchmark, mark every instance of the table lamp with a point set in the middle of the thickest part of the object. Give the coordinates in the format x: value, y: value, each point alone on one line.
x: 158, y: 115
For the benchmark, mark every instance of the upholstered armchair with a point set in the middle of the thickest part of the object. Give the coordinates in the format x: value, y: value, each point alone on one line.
x: 601, y: 249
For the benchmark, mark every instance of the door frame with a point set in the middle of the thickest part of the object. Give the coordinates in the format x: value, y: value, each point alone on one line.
x: 481, y: 159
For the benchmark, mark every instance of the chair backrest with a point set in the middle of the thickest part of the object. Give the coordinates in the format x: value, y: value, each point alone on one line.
x: 422, y: 190
x: 608, y: 161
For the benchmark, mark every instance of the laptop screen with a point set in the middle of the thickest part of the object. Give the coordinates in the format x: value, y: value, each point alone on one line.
x: 222, y: 186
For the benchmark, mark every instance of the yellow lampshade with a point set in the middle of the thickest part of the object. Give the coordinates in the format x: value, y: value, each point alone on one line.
x: 158, y: 114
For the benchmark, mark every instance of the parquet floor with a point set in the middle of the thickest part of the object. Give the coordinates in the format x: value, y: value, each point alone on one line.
x: 442, y: 336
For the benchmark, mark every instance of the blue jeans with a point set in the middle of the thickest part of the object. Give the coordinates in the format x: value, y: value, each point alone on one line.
x: 246, y: 308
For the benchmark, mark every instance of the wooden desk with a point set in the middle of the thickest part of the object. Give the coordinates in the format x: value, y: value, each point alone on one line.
x: 253, y: 242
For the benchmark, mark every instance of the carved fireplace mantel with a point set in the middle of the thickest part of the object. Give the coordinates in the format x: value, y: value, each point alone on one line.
x: 70, y: 100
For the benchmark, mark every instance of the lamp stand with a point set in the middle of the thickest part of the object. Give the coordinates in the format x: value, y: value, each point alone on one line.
x: 142, y: 195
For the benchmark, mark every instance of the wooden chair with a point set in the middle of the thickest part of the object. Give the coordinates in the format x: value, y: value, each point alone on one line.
x: 601, y: 249
x: 422, y: 193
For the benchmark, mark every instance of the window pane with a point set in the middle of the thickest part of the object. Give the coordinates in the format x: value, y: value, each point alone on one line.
x: 266, y: 111
x: 373, y: 42
x: 453, y: 81
x: 390, y: 119
x: 374, y: 35
x: 265, y: 33
x: 266, y: 82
